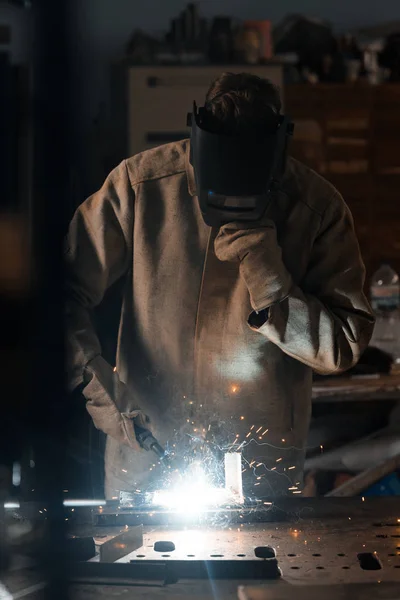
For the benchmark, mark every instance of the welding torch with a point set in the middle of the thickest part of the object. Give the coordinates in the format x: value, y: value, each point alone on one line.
x: 148, y: 442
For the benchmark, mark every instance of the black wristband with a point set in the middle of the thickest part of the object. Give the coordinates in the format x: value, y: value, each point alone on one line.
x: 258, y: 319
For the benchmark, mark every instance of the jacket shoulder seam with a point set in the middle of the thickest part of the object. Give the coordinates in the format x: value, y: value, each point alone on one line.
x: 330, y: 196
x: 151, y: 178
x: 323, y: 211
x: 328, y: 204
x: 320, y: 213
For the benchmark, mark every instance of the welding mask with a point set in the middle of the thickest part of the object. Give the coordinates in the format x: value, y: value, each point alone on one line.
x: 236, y: 173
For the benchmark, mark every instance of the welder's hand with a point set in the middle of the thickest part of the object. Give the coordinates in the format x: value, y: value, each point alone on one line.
x: 255, y: 247
x: 111, y: 404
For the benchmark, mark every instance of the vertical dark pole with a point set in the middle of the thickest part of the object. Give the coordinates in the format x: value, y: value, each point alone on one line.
x: 50, y: 190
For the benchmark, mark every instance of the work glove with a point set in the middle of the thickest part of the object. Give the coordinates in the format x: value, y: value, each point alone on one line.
x: 111, y: 404
x: 255, y: 247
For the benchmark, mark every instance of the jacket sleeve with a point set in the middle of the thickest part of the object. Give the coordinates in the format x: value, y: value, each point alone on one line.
x: 99, y: 252
x: 326, y: 321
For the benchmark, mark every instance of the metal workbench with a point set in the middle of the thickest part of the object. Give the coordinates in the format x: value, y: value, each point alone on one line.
x: 317, y: 542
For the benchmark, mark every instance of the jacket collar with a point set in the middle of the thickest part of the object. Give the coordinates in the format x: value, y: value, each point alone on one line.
x: 190, y: 172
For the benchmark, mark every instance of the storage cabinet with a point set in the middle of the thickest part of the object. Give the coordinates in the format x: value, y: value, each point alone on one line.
x: 159, y: 99
x: 351, y: 135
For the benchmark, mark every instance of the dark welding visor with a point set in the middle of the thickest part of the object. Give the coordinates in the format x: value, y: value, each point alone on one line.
x: 235, y: 173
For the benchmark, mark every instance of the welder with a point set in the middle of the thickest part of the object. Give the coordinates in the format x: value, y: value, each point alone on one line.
x: 241, y: 274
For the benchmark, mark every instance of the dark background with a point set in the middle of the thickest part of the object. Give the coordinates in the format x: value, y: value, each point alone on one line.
x: 100, y: 29
x: 104, y: 26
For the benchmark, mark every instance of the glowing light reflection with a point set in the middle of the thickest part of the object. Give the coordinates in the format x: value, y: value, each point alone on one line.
x: 194, y: 495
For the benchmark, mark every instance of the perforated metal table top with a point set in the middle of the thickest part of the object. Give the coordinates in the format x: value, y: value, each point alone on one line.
x: 306, y: 552
x: 316, y: 544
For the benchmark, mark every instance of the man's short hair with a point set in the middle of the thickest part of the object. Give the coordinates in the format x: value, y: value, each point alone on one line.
x: 241, y: 102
